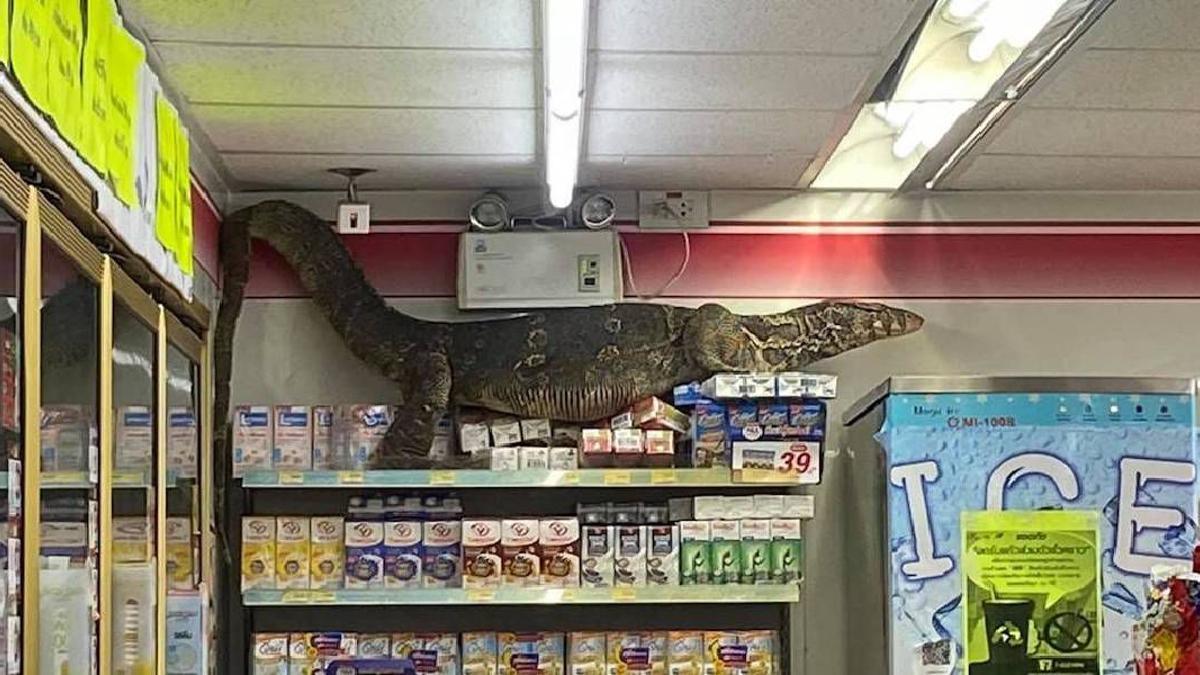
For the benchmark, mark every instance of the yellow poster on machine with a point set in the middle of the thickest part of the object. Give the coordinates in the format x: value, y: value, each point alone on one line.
x: 125, y: 57
x: 1031, y: 596
x: 30, y: 46
x: 183, y: 205
x: 65, y: 84
x: 95, y: 133
x: 5, y: 25
x: 166, y: 126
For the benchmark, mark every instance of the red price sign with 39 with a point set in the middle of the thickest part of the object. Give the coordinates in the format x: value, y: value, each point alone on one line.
x: 798, y: 459
x: 791, y: 462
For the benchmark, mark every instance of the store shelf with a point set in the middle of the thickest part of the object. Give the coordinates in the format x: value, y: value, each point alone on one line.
x: 483, y: 478
x: 78, y: 480
x: 784, y: 593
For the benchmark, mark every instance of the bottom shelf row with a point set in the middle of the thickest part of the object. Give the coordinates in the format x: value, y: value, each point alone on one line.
x: 719, y: 652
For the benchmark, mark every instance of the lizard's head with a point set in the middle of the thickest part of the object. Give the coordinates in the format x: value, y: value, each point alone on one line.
x: 721, y: 341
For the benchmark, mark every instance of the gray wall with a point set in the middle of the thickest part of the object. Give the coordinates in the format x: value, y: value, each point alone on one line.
x: 285, y: 353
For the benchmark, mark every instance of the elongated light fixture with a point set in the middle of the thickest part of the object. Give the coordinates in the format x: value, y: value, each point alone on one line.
x: 564, y: 68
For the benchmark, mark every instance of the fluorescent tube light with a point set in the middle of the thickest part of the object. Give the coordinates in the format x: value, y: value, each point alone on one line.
x: 564, y: 64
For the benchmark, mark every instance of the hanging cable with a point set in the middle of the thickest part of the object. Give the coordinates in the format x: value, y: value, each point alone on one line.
x: 687, y: 257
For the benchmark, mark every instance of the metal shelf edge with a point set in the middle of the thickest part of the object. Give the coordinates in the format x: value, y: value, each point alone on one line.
x: 731, y: 594
x: 483, y: 478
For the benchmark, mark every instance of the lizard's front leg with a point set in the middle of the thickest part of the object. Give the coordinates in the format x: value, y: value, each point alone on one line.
x: 426, y: 398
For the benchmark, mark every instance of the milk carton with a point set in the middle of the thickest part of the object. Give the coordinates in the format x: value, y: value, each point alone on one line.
x: 586, y: 653
x: 323, y: 455
x: 558, y: 551
x: 521, y: 565
x: 596, y: 557
x: 762, y: 650
x: 364, y: 554
x: 131, y: 539
x: 685, y: 652
x: 180, y: 568
x: 182, y: 442
x: 441, y: 546
x: 327, y: 552
x: 755, y: 551
x: 135, y: 437
x: 662, y: 554
x: 694, y: 556
x: 480, y: 654
x: 291, y: 552
x: 368, y: 424
x: 481, y: 553
x: 293, y: 448
x: 726, y: 654
x: 637, y: 651
x: 629, y: 558
x: 252, y: 438
x: 435, y: 653
x: 530, y: 653
x: 374, y: 646
x: 787, y: 551
x: 270, y: 654
x: 725, y: 551
x: 402, y: 554
x: 66, y: 438
x: 258, y: 552
x: 313, y: 652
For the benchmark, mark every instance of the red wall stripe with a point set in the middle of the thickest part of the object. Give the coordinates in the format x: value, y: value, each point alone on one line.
x: 817, y: 265
x: 206, y: 225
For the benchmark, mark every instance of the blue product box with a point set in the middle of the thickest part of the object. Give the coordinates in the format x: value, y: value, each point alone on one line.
x: 1129, y: 457
x: 187, y: 649
x: 687, y: 395
x: 773, y: 414
x: 741, y: 414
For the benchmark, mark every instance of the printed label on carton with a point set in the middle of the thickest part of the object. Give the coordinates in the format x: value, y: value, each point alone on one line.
x: 521, y: 565
x: 506, y: 431
x: 374, y: 646
x: 435, y: 653
x: 586, y: 653
x: 270, y: 653
x: 182, y: 444
x: 402, y: 554
x: 725, y: 551
x: 442, y: 554
x: 480, y: 654
x: 596, y: 564
x: 364, y: 554
x: 685, y: 652
x: 558, y: 550
x: 787, y: 551
x: 535, y: 429
x: 251, y: 438
x: 694, y: 554
x: 756, y: 551
x: 629, y: 560
x: 322, y: 451
x: 481, y: 553
x: 293, y: 447
x: 637, y: 652
x: 291, y: 552
x: 131, y: 539
x: 564, y: 459
x: 180, y: 568
x: 533, y: 458
x: 327, y: 553
x: 662, y: 555
x: 505, y: 459
x: 530, y: 653
x: 258, y: 552
x: 135, y: 437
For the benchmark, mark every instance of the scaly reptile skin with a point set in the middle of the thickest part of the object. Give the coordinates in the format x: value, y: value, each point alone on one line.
x: 576, y: 364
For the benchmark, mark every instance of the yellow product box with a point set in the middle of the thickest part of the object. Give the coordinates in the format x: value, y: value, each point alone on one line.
x: 528, y: 653
x: 180, y: 566
x: 258, y: 552
x: 762, y: 651
x: 131, y: 541
x: 637, y: 652
x: 291, y: 552
x: 748, y: 652
x: 685, y: 652
x: 270, y: 654
x: 479, y: 654
x: 586, y: 653
x: 327, y: 552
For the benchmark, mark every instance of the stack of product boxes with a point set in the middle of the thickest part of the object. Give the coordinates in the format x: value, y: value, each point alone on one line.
x: 579, y: 653
x: 303, y: 438
x: 411, y: 542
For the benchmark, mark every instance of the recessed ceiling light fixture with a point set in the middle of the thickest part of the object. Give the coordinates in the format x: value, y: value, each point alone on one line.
x: 564, y: 67
x: 965, y: 56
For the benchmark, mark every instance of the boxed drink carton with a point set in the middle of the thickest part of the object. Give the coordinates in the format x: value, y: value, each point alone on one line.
x: 535, y: 429
x: 662, y: 554
x: 327, y: 552
x: 182, y: 442
x: 596, y: 557
x: 709, y: 436
x: 252, y: 438
x: 180, y: 568
x: 441, y: 545
x: 772, y: 414
x: 367, y: 425
x: 596, y: 448
x: 726, y: 653
x: 505, y: 431
x: 364, y: 554
x: 530, y: 653
x: 435, y: 653
x: 186, y: 653
x: 762, y: 650
x: 323, y: 453
x: 293, y: 448
x: 292, y: 551
x: 659, y: 447
x: 270, y: 654
x: 402, y: 554
x: 558, y: 552
x: 135, y: 437
x: 564, y: 459
x: 627, y: 447
x: 586, y: 653
x: 374, y: 646
x: 506, y: 459
x: 637, y: 652
x: 480, y: 654
x: 787, y: 551
x: 314, y: 652
x: 132, y: 540
x: 533, y: 458
x: 756, y: 551
x: 725, y: 557
x: 66, y: 438
x: 629, y: 558
x: 258, y: 552
x: 807, y: 419
x: 685, y: 652
x: 481, y: 553
x: 694, y: 554
x: 520, y: 563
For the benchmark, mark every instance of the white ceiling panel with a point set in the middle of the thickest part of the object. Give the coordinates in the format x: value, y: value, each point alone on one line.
x: 377, y: 131
x: 1020, y: 172
x: 1122, y: 79
x: 1036, y: 131
x: 472, y: 24
x: 352, y: 77
x: 612, y: 132
x: 813, y: 26
x: 642, y: 172
x: 309, y: 172
x: 1148, y: 24
x: 727, y: 82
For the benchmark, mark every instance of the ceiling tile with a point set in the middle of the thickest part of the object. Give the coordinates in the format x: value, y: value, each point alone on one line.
x: 658, y: 81
x: 1024, y: 172
x: 1034, y: 131
x: 370, y: 77
x: 613, y: 132
x: 689, y: 172
x: 815, y: 26
x: 324, y: 130
x: 1123, y: 79
x: 495, y: 24
x: 1148, y: 24
x: 310, y: 172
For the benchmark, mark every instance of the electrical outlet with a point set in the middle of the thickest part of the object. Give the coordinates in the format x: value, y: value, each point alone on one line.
x: 673, y: 209
x: 589, y: 273
x: 354, y: 218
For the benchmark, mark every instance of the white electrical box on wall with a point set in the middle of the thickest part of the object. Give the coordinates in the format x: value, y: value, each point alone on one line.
x: 515, y: 270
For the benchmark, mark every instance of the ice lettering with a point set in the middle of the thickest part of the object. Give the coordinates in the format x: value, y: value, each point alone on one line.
x: 1135, y: 472
x: 912, y: 478
x: 1013, y: 468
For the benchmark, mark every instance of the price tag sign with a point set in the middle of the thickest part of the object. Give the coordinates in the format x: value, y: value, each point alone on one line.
x: 570, y: 478
x: 663, y: 476
x: 624, y: 595
x: 443, y: 477
x: 291, y: 478
x: 350, y: 477
x: 617, y: 478
x: 297, y: 598
x: 481, y: 595
x: 788, y: 462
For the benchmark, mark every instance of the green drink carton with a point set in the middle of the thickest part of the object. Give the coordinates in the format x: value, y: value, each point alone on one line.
x: 693, y: 552
x: 725, y: 554
x: 756, y: 551
x: 787, y: 551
